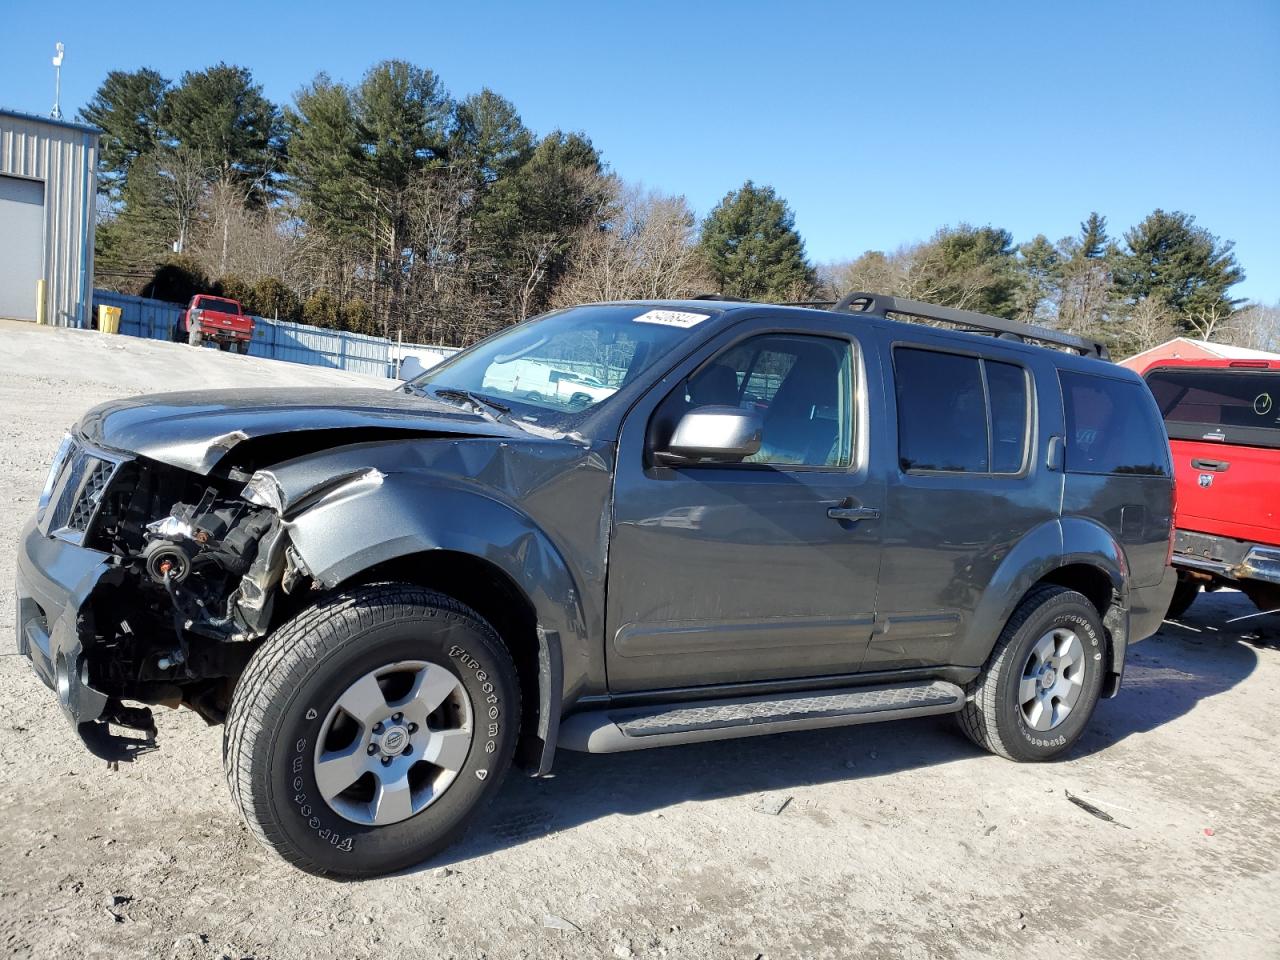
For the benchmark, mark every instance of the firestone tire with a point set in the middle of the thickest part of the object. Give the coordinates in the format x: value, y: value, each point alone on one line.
x: 994, y: 716
x: 285, y: 701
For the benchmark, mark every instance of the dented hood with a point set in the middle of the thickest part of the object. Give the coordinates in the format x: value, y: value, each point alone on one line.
x: 194, y: 430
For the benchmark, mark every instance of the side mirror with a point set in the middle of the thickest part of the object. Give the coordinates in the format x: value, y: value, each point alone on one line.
x: 714, y: 434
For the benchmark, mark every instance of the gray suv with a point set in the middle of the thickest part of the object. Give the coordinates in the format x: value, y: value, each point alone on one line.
x: 618, y: 526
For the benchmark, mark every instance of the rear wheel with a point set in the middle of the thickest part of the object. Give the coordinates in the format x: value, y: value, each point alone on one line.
x: 1039, y: 687
x: 366, y: 732
x: 1184, y: 595
x: 242, y: 346
x: 1265, y: 596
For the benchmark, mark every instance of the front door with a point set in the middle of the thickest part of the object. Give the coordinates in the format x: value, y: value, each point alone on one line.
x: 730, y: 573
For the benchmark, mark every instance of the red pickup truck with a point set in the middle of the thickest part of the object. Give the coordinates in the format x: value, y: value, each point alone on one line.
x: 1223, y: 420
x: 215, y: 320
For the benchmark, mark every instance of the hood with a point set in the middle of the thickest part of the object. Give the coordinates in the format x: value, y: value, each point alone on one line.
x: 194, y: 430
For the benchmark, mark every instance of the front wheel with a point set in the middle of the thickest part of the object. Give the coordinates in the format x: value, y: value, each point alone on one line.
x: 365, y: 732
x: 1037, y: 690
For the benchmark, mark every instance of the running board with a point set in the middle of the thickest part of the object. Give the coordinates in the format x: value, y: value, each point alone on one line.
x: 615, y: 729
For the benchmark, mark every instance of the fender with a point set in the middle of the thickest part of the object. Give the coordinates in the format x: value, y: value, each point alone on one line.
x: 354, y: 519
x: 1044, y: 549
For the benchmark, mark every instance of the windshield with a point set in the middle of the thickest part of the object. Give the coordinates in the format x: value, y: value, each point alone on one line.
x: 551, y: 369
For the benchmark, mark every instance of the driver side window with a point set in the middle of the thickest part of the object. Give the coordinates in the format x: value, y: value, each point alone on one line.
x: 802, y: 388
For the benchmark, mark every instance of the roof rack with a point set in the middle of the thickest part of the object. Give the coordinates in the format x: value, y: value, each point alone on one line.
x: 879, y: 304
x: 720, y: 296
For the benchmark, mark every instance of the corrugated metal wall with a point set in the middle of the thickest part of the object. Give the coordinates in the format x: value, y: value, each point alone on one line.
x: 274, y: 339
x: 64, y: 156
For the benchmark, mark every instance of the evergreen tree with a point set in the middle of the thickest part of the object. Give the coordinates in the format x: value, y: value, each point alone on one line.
x: 752, y: 248
x: 221, y: 114
x: 489, y: 136
x: 126, y: 107
x: 1168, y: 258
x: 1093, y: 237
x: 970, y: 267
x: 324, y: 157
x: 1041, y: 267
x: 528, y: 221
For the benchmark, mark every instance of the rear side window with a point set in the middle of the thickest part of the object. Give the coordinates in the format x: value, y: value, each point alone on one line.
x: 960, y: 414
x: 1244, y: 406
x: 1111, y: 427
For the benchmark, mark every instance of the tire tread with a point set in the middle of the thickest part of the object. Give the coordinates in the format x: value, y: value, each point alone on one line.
x: 283, y: 661
x: 978, y: 716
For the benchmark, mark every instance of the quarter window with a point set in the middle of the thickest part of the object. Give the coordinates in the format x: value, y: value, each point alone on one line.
x: 1112, y: 427
x: 960, y: 414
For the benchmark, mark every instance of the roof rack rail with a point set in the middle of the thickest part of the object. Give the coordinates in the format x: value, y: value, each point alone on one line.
x: 879, y: 304
x: 720, y: 296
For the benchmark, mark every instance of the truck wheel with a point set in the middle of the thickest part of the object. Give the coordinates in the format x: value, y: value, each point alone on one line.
x: 1184, y: 595
x: 1265, y: 596
x: 194, y: 338
x: 242, y: 346
x: 1037, y: 690
x: 366, y: 732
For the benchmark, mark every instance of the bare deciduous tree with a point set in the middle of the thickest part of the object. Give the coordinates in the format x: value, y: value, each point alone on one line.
x: 643, y: 246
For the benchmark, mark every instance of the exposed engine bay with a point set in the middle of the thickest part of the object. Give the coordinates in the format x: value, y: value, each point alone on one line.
x: 200, y: 573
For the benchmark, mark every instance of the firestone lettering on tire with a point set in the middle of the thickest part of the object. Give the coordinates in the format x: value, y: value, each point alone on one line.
x: 486, y: 687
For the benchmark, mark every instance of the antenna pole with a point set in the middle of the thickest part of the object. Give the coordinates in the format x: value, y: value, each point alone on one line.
x: 57, y: 83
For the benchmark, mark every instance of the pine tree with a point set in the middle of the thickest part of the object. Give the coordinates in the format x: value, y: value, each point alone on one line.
x: 126, y: 107
x: 221, y: 114
x: 1093, y: 237
x: 752, y: 247
x: 1041, y: 267
x: 1168, y: 258
x: 489, y: 136
x: 970, y: 267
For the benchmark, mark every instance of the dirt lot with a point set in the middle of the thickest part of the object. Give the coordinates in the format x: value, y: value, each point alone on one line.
x: 898, y: 840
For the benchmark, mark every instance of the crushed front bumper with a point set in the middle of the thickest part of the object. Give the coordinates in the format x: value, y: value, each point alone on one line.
x: 54, y: 581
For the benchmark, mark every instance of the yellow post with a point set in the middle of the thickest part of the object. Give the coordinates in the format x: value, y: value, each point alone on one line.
x: 40, y: 291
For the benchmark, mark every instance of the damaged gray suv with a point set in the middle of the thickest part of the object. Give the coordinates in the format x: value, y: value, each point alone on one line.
x: 613, y: 527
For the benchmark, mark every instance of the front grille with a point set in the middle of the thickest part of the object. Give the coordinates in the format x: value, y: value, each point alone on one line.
x: 77, y: 492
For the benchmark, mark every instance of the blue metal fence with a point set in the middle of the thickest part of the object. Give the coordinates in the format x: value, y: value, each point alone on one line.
x: 273, y: 339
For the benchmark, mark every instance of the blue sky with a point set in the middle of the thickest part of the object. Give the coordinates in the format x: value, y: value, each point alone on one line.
x: 877, y: 122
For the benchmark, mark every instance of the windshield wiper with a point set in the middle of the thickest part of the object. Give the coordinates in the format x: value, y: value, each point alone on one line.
x: 480, y: 403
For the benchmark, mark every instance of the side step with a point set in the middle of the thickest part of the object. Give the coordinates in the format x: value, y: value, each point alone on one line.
x: 615, y: 729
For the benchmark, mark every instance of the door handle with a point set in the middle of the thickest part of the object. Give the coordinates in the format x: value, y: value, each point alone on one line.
x: 1214, y: 466
x: 853, y: 513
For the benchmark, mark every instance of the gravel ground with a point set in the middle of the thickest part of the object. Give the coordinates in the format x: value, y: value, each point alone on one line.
x: 896, y: 840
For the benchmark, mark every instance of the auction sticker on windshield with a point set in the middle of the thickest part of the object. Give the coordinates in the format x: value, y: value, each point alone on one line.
x: 671, y: 318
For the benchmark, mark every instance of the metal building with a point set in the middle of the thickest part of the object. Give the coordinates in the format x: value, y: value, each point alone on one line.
x: 48, y: 190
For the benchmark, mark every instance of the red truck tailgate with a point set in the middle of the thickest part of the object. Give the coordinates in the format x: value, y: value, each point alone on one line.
x: 1228, y: 490
x: 216, y: 320
x: 1224, y: 431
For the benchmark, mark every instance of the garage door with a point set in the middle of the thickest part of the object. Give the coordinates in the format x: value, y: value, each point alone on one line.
x: 21, y: 245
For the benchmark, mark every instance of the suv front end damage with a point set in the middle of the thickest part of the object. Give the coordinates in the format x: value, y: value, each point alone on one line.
x: 140, y: 581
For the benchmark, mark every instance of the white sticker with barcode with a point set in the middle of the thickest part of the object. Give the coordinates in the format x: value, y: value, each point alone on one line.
x: 672, y: 318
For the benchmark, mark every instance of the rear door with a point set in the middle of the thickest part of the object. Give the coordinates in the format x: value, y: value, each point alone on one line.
x: 965, y: 489
x: 1224, y: 430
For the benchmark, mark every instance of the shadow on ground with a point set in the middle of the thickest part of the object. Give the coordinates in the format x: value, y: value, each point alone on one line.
x: 1166, y: 677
